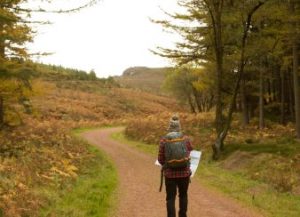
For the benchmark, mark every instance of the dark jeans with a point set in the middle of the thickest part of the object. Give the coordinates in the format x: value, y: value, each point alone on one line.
x: 171, y: 188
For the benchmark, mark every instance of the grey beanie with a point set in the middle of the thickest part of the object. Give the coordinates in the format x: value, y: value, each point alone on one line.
x: 174, y: 125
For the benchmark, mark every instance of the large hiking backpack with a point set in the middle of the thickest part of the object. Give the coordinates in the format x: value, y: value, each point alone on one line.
x: 176, y: 153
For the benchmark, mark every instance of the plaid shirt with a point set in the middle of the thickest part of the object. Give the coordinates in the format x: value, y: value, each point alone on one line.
x: 174, y: 173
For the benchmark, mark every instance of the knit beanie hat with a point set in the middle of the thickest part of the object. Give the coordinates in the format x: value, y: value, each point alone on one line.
x: 174, y: 125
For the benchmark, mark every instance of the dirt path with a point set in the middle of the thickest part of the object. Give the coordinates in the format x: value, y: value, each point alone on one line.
x: 139, y: 181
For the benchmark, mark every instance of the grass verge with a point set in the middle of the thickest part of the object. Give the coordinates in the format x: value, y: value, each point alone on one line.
x: 150, y: 149
x: 91, y: 194
x: 253, y: 194
x: 77, y: 131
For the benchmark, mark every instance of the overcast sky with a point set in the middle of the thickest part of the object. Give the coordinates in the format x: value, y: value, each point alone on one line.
x: 108, y: 37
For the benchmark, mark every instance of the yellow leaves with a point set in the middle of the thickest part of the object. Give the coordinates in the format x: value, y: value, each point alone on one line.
x: 7, y: 197
x: 9, y: 194
x: 66, y: 162
x: 70, y: 171
x: 67, y: 169
x: 56, y: 170
x: 49, y: 130
x: 70, y: 168
x: 70, y: 155
x: 200, y: 85
x: 21, y: 186
x: 8, y: 85
x: 2, y: 167
x: 47, y: 177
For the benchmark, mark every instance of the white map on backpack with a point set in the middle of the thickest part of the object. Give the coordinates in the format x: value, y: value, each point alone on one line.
x: 195, y: 160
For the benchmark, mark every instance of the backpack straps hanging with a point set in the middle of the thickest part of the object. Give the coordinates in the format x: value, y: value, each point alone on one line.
x: 161, y: 179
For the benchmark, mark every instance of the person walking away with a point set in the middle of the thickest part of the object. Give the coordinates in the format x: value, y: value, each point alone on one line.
x: 173, y: 155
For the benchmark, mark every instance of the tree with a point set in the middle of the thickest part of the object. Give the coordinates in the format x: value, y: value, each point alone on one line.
x: 210, y: 41
x: 180, y: 83
x: 92, y: 75
x: 204, y: 89
x: 15, y: 32
x: 294, y: 8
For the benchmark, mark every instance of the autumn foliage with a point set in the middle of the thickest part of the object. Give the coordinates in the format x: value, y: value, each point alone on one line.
x: 150, y: 129
x: 271, y: 155
x: 37, y: 149
x: 37, y: 155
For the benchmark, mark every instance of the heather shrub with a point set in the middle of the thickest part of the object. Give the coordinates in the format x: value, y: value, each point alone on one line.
x: 151, y: 128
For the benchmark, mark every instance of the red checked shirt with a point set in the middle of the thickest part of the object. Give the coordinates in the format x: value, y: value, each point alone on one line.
x: 174, y: 173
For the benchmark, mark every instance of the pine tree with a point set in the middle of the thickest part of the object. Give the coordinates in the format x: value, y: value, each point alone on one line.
x: 207, y: 39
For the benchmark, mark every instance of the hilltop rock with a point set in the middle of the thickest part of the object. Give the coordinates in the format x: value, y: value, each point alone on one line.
x: 144, y: 78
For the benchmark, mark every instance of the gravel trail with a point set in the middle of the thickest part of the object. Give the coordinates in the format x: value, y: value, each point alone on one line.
x: 139, y: 181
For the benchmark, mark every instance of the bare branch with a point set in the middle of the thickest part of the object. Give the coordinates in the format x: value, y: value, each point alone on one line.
x: 43, y: 10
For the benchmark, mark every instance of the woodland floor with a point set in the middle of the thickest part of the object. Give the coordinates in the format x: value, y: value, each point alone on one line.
x: 139, y: 179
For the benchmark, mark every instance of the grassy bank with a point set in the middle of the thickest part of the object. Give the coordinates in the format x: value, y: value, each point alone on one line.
x: 91, y: 194
x: 253, y: 193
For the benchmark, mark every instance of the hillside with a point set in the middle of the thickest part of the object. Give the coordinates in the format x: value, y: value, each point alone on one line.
x: 39, y: 155
x: 74, y: 96
x: 143, y: 78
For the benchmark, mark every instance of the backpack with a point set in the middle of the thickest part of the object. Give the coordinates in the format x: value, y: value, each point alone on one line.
x: 176, y: 153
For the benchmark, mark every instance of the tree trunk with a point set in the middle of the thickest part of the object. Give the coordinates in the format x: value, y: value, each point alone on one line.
x: 1, y: 111
x: 282, y: 97
x: 190, y: 101
x: 219, y: 75
x: 278, y: 83
x: 261, y: 100
x: 218, y: 146
x: 245, y: 113
x: 215, y: 10
x: 296, y: 88
x: 197, y: 99
x: 295, y: 68
x: 210, y: 103
x: 2, y: 42
x: 290, y: 95
x: 2, y: 53
x: 269, y: 91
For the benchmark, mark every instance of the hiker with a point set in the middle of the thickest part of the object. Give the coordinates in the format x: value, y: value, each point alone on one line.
x: 174, y: 151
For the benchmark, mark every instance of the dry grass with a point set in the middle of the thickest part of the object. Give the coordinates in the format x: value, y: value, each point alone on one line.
x: 151, y: 128
x: 271, y: 155
x: 41, y: 151
x: 38, y: 154
x: 105, y: 103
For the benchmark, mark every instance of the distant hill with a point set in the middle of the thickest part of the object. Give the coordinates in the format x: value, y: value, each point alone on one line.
x: 143, y: 78
x: 101, y: 98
